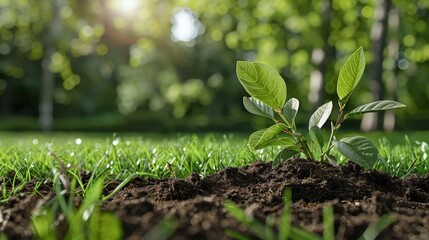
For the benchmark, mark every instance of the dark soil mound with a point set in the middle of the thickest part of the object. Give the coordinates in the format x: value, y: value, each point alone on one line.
x: 359, y: 198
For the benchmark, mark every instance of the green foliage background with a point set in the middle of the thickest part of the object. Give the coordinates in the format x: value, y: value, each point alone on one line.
x: 125, y: 71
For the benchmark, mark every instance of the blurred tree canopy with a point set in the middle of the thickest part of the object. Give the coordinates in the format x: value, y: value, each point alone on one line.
x: 170, y: 64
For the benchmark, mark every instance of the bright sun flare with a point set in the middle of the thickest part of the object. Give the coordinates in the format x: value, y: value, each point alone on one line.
x: 127, y: 6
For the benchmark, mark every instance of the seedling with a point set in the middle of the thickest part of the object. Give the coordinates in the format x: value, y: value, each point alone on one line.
x: 269, y: 99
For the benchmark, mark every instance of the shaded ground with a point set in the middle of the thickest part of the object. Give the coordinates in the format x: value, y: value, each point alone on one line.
x: 359, y: 198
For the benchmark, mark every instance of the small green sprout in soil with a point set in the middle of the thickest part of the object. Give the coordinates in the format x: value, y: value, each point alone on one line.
x: 269, y: 99
x: 285, y: 230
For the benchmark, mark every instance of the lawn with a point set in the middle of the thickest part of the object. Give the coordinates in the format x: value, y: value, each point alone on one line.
x: 51, y: 163
x: 31, y: 155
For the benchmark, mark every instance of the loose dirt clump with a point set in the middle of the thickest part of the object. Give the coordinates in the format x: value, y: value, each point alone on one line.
x: 358, y: 198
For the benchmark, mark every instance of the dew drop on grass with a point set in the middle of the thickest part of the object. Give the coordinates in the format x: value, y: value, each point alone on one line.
x: 116, y: 141
x: 35, y: 141
x: 423, y: 146
x: 154, y: 151
x: 72, y: 154
x: 49, y: 146
x: 128, y: 143
x: 78, y: 141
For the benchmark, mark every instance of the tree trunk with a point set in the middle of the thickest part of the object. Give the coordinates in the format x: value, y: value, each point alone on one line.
x: 393, y: 50
x: 46, y: 102
x: 321, y: 58
x: 371, y: 121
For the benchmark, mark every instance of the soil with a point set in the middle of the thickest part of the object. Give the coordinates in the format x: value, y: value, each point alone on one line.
x: 358, y: 197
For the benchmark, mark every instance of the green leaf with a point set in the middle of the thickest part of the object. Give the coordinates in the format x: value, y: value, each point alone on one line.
x: 282, y: 141
x: 316, y: 136
x: 321, y: 115
x: 261, y: 137
x: 374, y: 107
x: 291, y: 109
x: 263, y: 83
x: 359, y: 150
x: 350, y: 75
x: 284, y: 155
x: 257, y: 107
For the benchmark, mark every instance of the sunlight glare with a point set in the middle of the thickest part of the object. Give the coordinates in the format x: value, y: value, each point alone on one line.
x: 128, y: 6
x: 184, y: 26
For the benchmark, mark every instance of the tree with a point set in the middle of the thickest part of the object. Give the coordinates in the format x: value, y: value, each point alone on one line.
x: 379, y: 41
x: 53, y: 33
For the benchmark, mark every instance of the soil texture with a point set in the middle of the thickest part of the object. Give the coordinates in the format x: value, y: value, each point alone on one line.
x: 358, y: 197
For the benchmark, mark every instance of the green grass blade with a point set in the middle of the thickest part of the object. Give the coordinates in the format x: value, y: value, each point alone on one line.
x: 163, y: 230
x: 285, y: 218
x: 376, y: 228
x: 257, y: 228
x: 297, y: 233
x: 236, y: 235
x: 328, y: 223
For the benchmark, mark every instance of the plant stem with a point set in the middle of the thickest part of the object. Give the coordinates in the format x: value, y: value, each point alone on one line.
x: 334, y: 129
x: 293, y: 132
x: 304, y: 146
x: 288, y: 124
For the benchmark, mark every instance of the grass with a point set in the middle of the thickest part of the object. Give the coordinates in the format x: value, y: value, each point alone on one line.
x: 35, y: 156
x: 61, y: 158
x: 285, y: 230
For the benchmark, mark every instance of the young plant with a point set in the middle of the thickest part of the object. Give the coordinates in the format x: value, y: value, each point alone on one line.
x: 268, y: 93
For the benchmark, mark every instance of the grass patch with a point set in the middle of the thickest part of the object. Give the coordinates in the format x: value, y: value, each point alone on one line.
x: 35, y: 156
x: 62, y: 159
